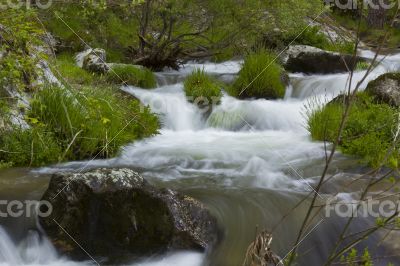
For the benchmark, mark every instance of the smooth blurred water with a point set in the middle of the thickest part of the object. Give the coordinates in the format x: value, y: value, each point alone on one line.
x: 248, y: 161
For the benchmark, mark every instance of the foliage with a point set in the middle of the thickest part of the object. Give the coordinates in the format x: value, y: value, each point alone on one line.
x: 368, y: 133
x: 131, y: 75
x: 91, y: 122
x: 201, y: 87
x: 354, y: 259
x: 260, y: 77
x: 100, y: 24
x: 19, y: 37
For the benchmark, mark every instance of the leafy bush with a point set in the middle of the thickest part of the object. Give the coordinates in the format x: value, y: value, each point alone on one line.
x: 200, y: 87
x: 131, y: 75
x: 260, y: 77
x: 368, y: 132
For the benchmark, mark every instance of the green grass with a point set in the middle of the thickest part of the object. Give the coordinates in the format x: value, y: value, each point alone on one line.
x: 200, y: 87
x: 65, y: 65
x: 29, y: 147
x: 368, y: 132
x: 260, y: 77
x: 93, y: 121
x: 69, y: 124
x: 362, y: 66
x: 131, y: 75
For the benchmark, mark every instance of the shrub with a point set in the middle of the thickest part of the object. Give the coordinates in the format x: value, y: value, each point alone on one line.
x: 368, y: 132
x: 131, y: 75
x: 260, y: 77
x: 200, y: 87
x: 93, y: 122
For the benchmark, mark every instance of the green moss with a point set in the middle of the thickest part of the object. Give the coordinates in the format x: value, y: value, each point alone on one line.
x: 200, y: 87
x: 368, y: 132
x: 260, y: 77
x: 131, y: 75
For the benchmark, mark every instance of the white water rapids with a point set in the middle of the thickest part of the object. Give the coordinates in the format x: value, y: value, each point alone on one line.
x: 260, y: 146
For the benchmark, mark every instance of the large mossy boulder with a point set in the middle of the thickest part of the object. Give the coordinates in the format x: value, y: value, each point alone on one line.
x: 312, y: 60
x: 111, y: 212
x: 386, y: 89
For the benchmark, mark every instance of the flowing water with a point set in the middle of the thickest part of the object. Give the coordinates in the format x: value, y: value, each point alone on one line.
x: 248, y: 161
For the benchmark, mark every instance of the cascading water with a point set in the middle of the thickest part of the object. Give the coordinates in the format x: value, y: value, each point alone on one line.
x: 249, y: 161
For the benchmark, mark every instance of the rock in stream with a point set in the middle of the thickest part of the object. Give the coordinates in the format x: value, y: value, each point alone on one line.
x: 111, y: 212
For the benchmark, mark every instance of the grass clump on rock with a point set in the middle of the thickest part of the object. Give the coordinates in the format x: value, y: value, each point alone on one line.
x: 201, y: 88
x: 368, y: 132
x: 260, y: 77
x: 131, y: 75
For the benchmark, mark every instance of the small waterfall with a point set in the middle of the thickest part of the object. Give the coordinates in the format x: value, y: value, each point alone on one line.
x: 170, y: 103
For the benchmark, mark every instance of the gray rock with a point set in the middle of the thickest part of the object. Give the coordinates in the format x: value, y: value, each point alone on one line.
x: 312, y: 60
x: 114, y: 212
x: 386, y: 88
x: 93, y: 60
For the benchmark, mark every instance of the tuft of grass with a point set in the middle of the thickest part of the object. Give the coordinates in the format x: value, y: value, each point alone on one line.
x: 368, y: 132
x: 69, y: 71
x: 93, y: 121
x: 131, y: 75
x: 362, y: 65
x: 260, y: 77
x: 29, y: 147
x: 201, y: 87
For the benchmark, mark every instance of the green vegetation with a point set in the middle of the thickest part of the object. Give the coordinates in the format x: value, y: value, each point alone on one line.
x: 368, y: 132
x: 260, y: 77
x: 19, y: 35
x: 200, y: 87
x: 76, y: 125
x: 29, y: 147
x: 131, y: 75
x: 362, y: 65
x: 68, y: 70
x: 311, y: 36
